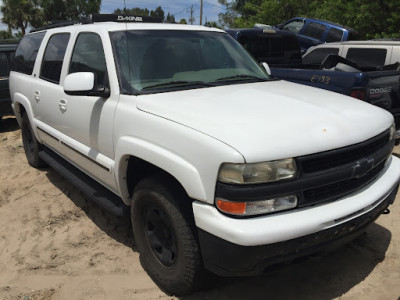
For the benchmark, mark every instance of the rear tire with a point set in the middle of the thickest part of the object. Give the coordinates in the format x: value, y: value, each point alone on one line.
x: 165, y: 236
x: 31, y: 145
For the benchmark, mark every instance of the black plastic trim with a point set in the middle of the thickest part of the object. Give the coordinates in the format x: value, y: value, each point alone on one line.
x: 228, y: 259
x: 312, y: 181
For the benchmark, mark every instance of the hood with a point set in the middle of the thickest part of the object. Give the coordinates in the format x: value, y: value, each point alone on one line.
x: 271, y: 120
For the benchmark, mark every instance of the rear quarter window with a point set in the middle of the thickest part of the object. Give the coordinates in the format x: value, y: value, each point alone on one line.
x: 367, y: 57
x: 334, y: 35
x: 317, y: 56
x: 314, y: 30
x: 26, y: 53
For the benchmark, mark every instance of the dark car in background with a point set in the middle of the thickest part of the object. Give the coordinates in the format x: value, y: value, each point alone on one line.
x: 7, y: 51
x: 273, y: 46
x: 311, y: 32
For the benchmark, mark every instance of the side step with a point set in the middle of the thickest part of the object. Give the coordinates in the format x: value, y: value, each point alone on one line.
x: 91, y: 188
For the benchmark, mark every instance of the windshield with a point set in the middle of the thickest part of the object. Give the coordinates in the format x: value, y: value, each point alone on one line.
x: 153, y: 61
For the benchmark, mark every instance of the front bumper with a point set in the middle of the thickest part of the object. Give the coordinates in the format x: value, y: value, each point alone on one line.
x: 228, y: 259
x: 246, y: 246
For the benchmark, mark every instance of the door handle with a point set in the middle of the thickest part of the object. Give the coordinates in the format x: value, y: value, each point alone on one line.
x: 63, y: 105
x: 37, y: 96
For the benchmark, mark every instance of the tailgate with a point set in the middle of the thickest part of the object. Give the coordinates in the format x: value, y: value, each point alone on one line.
x: 383, y: 90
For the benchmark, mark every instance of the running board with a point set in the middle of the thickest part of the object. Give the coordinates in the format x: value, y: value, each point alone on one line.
x: 91, y: 188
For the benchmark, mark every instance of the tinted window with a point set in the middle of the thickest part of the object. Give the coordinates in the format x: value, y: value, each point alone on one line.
x: 88, y: 56
x: 4, y: 66
x: 26, y: 53
x: 273, y: 49
x: 317, y: 56
x: 314, y: 30
x: 53, y: 57
x: 334, y: 35
x: 367, y: 57
x: 294, y: 26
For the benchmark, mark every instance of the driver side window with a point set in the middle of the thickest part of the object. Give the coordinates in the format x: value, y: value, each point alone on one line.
x: 88, y: 56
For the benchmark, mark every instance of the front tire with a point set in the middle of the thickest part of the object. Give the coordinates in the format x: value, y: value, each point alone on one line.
x: 31, y: 145
x: 165, y: 236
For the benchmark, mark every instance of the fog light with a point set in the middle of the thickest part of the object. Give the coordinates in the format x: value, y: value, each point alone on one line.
x: 253, y: 208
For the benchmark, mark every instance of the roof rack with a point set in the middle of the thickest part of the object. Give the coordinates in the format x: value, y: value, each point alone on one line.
x: 97, y: 18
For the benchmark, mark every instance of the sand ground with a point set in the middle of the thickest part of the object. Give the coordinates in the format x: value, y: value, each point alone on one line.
x: 55, y: 244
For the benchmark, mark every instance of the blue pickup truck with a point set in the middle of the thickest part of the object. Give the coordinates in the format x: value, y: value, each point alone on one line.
x: 379, y: 86
x: 311, y: 32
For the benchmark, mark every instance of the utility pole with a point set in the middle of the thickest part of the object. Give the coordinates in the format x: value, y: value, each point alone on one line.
x: 201, y: 12
x: 191, y: 20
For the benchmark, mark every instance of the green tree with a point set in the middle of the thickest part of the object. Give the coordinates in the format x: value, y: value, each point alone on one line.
x: 182, y: 21
x: 65, y: 10
x: 17, y: 14
x: 170, y: 18
x: 4, y: 34
x: 136, y: 11
x: 158, y: 13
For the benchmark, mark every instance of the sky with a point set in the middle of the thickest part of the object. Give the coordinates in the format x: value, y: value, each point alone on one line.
x: 179, y: 8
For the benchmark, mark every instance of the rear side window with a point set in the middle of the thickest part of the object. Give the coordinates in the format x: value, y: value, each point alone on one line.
x: 54, y: 57
x: 367, y: 57
x: 317, y: 56
x: 4, y: 66
x: 88, y: 56
x: 273, y: 50
x: 26, y: 53
x: 314, y: 30
x: 334, y: 35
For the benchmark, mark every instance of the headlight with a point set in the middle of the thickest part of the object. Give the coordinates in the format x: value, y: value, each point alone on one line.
x: 392, y: 131
x: 258, y: 172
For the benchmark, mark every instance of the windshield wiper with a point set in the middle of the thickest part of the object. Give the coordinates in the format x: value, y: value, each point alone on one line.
x: 241, y: 76
x: 179, y: 83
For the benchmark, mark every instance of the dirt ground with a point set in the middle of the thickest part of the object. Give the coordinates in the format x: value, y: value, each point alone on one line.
x: 55, y: 244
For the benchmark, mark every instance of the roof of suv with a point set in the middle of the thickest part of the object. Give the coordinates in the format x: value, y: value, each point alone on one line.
x: 119, y: 26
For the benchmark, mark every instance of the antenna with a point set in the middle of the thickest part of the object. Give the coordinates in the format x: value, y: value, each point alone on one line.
x: 125, y: 6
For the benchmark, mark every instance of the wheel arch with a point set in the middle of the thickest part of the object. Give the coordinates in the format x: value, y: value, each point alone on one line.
x: 137, y: 159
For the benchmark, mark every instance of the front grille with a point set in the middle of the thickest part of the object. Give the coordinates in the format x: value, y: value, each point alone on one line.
x: 338, y: 189
x: 336, y: 158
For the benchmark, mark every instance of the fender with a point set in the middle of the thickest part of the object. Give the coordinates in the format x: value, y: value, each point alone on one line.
x: 179, y: 168
x: 19, y: 100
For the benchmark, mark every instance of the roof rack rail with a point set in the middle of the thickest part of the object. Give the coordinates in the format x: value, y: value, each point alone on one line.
x: 56, y: 24
x: 124, y: 18
x: 101, y: 18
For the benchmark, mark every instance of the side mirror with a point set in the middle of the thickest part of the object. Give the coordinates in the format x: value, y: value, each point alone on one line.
x: 266, y: 67
x: 82, y: 84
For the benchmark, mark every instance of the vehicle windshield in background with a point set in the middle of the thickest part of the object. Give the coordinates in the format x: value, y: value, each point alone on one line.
x: 152, y: 61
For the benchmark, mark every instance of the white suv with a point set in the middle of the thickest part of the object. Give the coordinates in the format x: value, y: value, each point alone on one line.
x: 223, y: 167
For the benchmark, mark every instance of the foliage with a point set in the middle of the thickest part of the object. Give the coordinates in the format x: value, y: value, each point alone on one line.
x: 4, y: 35
x: 61, y: 10
x: 17, y: 14
x: 182, y: 21
x: 373, y: 19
